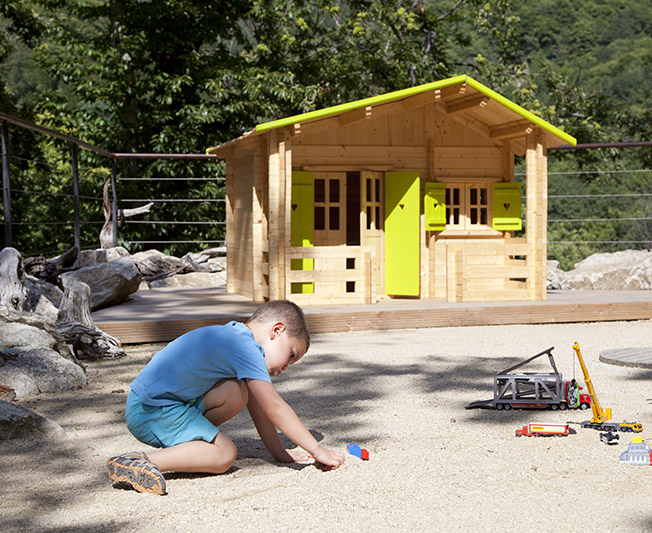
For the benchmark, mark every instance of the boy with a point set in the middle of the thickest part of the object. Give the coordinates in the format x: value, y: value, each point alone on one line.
x: 204, y: 378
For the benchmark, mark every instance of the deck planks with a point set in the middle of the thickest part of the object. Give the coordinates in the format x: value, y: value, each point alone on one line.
x: 160, y: 315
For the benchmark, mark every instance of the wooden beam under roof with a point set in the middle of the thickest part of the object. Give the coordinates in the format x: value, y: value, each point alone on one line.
x: 456, y: 106
x: 512, y: 130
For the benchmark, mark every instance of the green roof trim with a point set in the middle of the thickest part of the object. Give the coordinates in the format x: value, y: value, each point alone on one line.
x: 411, y: 91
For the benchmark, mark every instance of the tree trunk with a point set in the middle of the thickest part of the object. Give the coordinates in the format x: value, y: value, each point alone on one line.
x: 13, y: 293
x: 75, y: 325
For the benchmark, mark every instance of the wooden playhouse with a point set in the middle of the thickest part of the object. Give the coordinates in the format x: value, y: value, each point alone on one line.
x: 406, y: 194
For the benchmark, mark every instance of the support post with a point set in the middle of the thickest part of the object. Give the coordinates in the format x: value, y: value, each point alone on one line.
x: 75, y: 195
x: 114, y: 201
x: 6, y: 188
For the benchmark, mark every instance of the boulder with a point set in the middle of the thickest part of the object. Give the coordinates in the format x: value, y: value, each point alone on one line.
x: 192, y: 279
x: 30, y: 329
x: 18, y: 423
x: 92, y: 257
x: 111, y: 283
x: 619, y: 271
x: 33, y: 370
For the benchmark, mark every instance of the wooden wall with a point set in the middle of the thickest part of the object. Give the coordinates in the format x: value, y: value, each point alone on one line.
x: 430, y: 139
x: 239, y: 246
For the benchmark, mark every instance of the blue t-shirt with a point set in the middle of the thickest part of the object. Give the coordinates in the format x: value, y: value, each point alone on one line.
x: 190, y: 365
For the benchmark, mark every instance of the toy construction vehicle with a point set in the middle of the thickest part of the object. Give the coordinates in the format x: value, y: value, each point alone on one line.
x: 601, y: 418
x: 535, y: 390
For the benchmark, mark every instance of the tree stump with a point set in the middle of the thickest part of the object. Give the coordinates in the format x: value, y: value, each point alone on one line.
x: 75, y: 325
x: 13, y: 294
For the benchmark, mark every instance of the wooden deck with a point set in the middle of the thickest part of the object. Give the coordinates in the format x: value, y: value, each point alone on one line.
x: 160, y: 315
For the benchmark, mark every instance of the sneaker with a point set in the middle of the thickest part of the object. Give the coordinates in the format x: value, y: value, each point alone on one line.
x: 137, y: 471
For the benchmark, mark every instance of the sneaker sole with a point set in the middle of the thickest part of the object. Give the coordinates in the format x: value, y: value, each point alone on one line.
x: 141, y: 478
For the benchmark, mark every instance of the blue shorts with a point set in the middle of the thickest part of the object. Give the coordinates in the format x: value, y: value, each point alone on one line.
x: 163, y: 426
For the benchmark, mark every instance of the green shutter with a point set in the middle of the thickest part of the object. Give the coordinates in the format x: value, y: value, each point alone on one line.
x: 507, y: 206
x: 301, y: 225
x: 434, y: 206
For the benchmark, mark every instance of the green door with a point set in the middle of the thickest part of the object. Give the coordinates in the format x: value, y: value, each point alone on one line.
x: 301, y: 225
x: 402, y: 257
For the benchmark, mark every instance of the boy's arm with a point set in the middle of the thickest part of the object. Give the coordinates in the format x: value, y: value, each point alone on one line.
x: 269, y: 411
x: 268, y: 433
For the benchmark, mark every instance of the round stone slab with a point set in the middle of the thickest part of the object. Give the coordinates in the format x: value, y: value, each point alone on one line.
x: 634, y: 357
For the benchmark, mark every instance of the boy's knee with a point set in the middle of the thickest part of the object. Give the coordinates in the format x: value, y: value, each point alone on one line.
x: 225, y: 453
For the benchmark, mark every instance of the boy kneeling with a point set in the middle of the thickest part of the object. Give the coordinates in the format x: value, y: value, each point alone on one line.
x: 204, y: 378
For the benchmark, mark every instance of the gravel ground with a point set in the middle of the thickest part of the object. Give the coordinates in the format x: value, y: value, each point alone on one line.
x: 400, y: 394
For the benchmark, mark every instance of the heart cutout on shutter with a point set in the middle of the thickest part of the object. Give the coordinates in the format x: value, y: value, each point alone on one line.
x: 294, y: 207
x: 402, y: 206
x: 506, y: 206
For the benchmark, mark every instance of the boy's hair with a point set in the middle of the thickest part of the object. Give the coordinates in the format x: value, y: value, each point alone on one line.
x: 287, y: 312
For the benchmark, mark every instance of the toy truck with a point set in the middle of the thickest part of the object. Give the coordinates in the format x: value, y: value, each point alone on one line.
x: 543, y: 430
x: 535, y: 390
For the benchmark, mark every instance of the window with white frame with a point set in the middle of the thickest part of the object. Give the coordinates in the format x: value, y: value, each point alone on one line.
x: 468, y: 206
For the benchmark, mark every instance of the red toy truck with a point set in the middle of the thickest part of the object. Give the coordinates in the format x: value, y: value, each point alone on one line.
x: 543, y: 430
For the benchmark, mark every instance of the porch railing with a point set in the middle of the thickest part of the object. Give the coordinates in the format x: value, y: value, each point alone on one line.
x: 338, y: 275
x: 490, y: 271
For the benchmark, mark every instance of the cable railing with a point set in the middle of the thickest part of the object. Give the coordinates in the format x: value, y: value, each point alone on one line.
x: 50, y: 199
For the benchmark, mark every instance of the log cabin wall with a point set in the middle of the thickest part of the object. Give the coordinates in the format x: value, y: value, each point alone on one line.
x: 427, y: 140
x: 239, y: 220
x: 385, y: 164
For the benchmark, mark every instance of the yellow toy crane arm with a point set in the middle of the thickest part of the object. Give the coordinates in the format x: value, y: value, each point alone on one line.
x: 598, y: 414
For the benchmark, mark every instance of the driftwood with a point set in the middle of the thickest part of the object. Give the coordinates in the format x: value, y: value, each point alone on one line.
x: 75, y: 325
x: 49, y: 269
x: 106, y: 234
x: 13, y: 294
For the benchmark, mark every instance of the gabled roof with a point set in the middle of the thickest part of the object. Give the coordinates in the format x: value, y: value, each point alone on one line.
x: 477, y: 105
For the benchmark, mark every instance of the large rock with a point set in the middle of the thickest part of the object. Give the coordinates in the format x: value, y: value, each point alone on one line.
x: 30, y: 329
x: 192, y: 279
x: 92, y: 257
x: 619, y: 271
x: 111, y: 283
x: 33, y: 370
x: 17, y: 423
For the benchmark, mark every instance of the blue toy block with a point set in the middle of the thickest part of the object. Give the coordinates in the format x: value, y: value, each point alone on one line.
x: 354, y: 449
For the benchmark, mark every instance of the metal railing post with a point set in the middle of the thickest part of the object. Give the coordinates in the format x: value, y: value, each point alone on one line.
x: 75, y: 194
x: 114, y: 201
x: 6, y: 189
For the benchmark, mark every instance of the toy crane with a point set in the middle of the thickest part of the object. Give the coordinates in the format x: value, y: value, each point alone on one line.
x: 601, y: 417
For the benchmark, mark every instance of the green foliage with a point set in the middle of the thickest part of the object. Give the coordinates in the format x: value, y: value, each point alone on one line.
x: 181, y: 75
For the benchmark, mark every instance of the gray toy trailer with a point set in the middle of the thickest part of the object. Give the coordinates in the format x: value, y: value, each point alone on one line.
x: 534, y: 390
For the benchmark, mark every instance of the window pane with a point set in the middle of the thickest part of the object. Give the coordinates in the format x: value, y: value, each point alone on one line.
x: 368, y: 197
x: 377, y: 219
x: 334, y: 218
x: 320, y: 191
x: 456, y: 216
x: 369, y: 217
x: 377, y: 198
x: 320, y: 217
x: 484, y: 196
x: 448, y: 196
x: 334, y: 190
x: 474, y: 196
x: 483, y: 215
x: 474, y: 216
x: 456, y: 197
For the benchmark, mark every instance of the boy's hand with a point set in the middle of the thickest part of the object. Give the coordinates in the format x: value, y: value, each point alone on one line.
x: 331, y: 459
x: 298, y: 456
